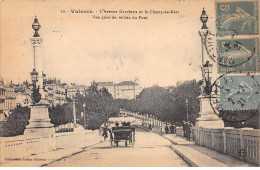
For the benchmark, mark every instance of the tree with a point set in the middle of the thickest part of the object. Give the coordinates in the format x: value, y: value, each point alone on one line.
x: 16, y: 122
x: 61, y: 114
x: 99, y: 106
x: 166, y: 104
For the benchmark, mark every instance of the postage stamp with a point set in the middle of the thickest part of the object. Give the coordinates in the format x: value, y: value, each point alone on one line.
x: 238, y: 55
x: 237, y: 17
x: 239, y: 92
x: 235, y: 98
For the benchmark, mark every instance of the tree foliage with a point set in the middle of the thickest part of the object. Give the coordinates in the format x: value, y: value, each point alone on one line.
x: 16, y: 122
x: 99, y: 106
x: 167, y: 104
x: 61, y: 114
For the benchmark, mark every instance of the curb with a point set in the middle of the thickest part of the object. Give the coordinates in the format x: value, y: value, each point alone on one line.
x: 187, y: 160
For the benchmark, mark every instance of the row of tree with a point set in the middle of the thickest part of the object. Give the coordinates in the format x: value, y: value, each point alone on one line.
x: 167, y: 104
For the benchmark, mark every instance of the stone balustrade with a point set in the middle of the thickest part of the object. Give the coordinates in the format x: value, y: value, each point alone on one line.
x: 240, y: 143
x: 21, y: 146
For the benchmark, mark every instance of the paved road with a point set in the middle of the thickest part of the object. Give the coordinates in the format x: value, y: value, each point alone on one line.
x: 149, y: 150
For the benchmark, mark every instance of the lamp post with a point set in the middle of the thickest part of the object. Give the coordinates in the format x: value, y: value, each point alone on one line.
x: 207, y: 67
x: 84, y: 115
x: 39, y: 122
x: 207, y: 118
x: 74, y: 113
x: 34, y: 77
x: 187, y: 102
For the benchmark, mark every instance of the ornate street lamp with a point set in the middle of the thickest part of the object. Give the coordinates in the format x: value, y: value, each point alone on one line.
x: 84, y: 106
x: 34, y: 76
x: 207, y: 67
x: 187, y: 102
x: 36, y: 27
x: 204, y: 18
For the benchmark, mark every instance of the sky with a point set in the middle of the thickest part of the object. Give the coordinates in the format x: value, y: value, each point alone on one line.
x: 161, y: 50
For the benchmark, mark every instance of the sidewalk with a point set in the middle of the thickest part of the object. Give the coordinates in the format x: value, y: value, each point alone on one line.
x: 49, y: 157
x: 199, y: 156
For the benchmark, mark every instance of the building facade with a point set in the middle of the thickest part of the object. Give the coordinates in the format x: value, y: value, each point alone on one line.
x: 127, y: 90
x: 56, y: 94
x: 123, y: 90
x: 72, y: 90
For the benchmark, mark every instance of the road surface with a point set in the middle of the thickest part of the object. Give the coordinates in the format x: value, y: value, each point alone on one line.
x: 149, y: 150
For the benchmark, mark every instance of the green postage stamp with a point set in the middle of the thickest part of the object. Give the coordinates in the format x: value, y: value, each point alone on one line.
x: 238, y: 55
x: 240, y: 92
x: 237, y: 18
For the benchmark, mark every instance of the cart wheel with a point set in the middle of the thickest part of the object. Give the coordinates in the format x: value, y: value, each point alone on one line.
x: 116, y: 144
x: 125, y: 142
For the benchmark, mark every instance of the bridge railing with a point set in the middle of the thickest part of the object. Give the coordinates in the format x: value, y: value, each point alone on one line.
x: 240, y: 143
x: 69, y: 127
x: 19, y: 147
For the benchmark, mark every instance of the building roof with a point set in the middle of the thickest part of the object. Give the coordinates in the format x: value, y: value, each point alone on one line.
x: 107, y: 83
x: 127, y: 83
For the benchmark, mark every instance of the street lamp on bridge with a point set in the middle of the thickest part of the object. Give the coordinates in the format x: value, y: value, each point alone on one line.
x: 84, y: 115
x: 187, y: 102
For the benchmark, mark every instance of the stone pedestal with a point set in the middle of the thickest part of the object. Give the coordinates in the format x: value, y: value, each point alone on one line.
x: 207, y: 117
x: 39, y: 123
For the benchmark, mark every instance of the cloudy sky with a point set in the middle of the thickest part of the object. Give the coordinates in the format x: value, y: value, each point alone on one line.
x: 162, y: 49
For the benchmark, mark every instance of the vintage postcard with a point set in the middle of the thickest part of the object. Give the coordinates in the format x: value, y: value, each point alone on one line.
x: 129, y: 83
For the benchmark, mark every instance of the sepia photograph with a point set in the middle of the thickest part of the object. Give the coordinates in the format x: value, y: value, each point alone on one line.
x: 129, y: 83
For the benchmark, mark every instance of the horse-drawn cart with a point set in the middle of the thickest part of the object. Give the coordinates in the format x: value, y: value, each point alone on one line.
x: 125, y: 132
x: 122, y: 133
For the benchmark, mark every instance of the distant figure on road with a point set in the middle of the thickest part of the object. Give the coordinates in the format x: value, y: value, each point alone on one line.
x: 166, y: 129
x: 105, y: 132
x: 189, y: 125
x: 117, y: 124
x: 184, y: 128
x: 172, y: 127
x: 111, y: 135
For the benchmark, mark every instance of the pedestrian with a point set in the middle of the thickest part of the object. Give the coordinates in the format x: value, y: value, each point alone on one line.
x: 105, y: 132
x: 166, y: 129
x: 188, y: 130
x: 172, y: 129
x: 184, y: 128
x: 111, y: 135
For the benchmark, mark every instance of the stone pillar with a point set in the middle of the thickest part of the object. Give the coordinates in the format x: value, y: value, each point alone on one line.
x: 38, y: 63
x: 39, y: 123
x: 207, y: 117
x: 212, y: 139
